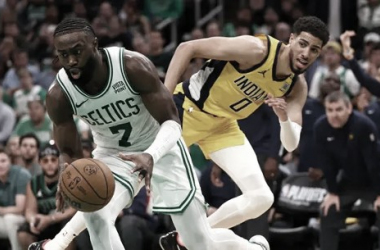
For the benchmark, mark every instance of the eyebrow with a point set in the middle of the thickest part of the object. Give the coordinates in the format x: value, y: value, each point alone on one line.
x: 79, y: 44
x: 315, y: 46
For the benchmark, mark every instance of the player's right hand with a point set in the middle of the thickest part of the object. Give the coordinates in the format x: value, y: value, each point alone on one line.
x: 59, y: 201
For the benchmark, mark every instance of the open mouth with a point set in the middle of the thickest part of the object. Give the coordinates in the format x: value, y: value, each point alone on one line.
x: 301, y: 63
x: 75, y: 73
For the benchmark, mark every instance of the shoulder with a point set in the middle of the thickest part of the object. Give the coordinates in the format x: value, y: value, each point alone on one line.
x: 363, y: 121
x: 321, y: 123
x: 18, y: 172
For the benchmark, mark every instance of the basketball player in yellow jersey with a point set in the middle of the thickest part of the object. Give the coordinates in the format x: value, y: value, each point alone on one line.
x: 242, y: 74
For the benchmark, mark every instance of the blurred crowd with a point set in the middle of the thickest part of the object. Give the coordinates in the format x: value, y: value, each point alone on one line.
x: 338, y: 110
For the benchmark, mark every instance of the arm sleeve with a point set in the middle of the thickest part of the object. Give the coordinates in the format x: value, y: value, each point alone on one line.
x: 325, y: 162
x: 9, y: 123
x: 275, y: 142
x: 370, y: 149
x: 364, y: 79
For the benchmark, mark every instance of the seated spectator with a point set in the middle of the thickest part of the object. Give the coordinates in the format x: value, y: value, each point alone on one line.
x: 333, y: 59
x: 13, y: 181
x: 311, y: 112
x: 133, y: 20
x: 29, y: 149
x: 116, y: 36
x: 20, y: 59
x: 42, y: 221
x: 13, y: 150
x: 7, y: 120
x: 347, y: 149
x: 27, y: 91
x: 37, y: 122
x: 136, y: 224
x: 157, y: 55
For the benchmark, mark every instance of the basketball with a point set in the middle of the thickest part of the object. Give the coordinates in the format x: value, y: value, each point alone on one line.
x: 87, y: 185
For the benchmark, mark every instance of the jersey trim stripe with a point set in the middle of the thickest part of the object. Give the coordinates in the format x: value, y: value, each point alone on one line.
x: 125, y: 183
x: 274, y: 67
x: 254, y: 67
x: 218, y: 67
x: 294, y: 81
x: 110, y: 76
x: 190, y: 176
x: 63, y: 87
x: 123, y: 73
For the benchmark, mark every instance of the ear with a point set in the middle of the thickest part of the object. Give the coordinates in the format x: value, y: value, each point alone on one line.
x: 292, y: 37
x: 95, y: 43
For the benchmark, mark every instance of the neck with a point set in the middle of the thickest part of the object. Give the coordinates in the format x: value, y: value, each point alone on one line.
x: 283, y: 69
x: 4, y: 178
x: 28, y: 163
x: 38, y: 123
x: 49, y: 180
x: 156, y: 52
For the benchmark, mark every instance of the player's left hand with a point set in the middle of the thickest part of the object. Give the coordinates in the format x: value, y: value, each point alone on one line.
x: 43, y: 222
x: 144, y: 165
x: 279, y: 107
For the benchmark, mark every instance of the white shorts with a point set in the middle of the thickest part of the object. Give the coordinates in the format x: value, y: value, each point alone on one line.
x: 174, y: 182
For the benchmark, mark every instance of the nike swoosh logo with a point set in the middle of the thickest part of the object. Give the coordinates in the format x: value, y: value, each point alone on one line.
x: 80, y: 104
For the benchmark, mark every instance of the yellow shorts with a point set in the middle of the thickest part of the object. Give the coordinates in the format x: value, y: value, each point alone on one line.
x: 211, y: 133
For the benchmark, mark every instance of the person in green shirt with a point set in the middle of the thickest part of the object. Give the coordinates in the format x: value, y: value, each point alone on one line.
x: 37, y: 122
x: 13, y: 181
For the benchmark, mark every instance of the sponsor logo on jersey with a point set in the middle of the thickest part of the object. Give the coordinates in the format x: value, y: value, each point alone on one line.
x: 119, y: 87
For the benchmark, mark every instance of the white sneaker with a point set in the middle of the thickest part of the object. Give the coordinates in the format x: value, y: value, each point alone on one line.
x: 261, y: 241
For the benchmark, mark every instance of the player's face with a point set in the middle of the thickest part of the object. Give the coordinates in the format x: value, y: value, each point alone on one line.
x: 337, y: 113
x: 76, y: 53
x: 304, y: 50
x: 50, y: 165
x: 4, y: 164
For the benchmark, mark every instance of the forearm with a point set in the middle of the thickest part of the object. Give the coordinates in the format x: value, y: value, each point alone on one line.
x: 364, y: 79
x: 67, y: 214
x: 12, y: 210
x: 168, y: 135
x: 178, y: 65
x: 290, y: 134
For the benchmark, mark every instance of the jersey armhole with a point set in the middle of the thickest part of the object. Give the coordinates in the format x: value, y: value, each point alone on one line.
x: 295, y: 78
x: 122, y: 69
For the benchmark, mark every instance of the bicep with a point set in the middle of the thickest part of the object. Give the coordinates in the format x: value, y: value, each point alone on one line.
x: 240, y: 49
x: 296, y: 100
x: 31, y: 202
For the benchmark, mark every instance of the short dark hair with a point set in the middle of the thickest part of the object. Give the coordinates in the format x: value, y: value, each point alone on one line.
x: 375, y: 46
x: 337, y: 96
x: 312, y: 25
x: 73, y: 24
x: 30, y: 135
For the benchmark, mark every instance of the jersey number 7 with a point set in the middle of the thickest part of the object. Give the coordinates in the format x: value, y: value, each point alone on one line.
x: 127, y: 128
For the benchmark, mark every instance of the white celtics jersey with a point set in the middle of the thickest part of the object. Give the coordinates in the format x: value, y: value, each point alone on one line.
x: 117, y: 116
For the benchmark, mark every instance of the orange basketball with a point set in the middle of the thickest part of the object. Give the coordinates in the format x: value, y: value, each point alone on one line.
x: 87, y: 185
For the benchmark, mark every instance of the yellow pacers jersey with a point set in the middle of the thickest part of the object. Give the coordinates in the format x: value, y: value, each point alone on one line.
x: 220, y: 88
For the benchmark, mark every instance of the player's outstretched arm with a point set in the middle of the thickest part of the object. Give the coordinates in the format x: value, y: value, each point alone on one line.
x: 65, y: 132
x: 242, y: 49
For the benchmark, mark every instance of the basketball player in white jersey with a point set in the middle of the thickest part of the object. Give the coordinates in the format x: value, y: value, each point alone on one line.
x: 119, y: 94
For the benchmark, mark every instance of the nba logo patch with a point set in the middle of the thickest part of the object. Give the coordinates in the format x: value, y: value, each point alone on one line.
x: 285, y: 87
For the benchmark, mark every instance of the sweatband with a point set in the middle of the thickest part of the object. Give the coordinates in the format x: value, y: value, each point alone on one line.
x: 168, y: 135
x: 290, y: 134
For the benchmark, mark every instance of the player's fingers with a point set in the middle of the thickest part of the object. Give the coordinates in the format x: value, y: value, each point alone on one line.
x: 126, y: 157
x: 136, y: 169
x: 147, y: 183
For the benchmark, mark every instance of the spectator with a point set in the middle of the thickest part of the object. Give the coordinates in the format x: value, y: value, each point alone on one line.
x: 133, y: 20
x: 101, y: 22
x: 7, y: 120
x: 13, y: 181
x: 47, y: 76
x: 42, y: 221
x: 141, y: 45
x: 13, y: 150
x: 7, y: 47
x: 332, y: 58
x: 37, y: 122
x: 243, y: 17
x: 312, y: 111
x: 20, y: 60
x: 347, y: 150
x: 213, y: 29
x: 29, y: 148
x: 282, y: 32
x: 370, y: 40
x: 157, y: 55
x: 27, y: 91
x: 161, y: 9
x: 116, y: 36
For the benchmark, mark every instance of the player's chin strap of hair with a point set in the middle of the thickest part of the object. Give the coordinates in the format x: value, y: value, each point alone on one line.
x: 168, y: 135
x: 290, y: 134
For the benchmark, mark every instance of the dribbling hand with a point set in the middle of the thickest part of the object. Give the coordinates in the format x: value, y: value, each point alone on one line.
x: 143, y: 164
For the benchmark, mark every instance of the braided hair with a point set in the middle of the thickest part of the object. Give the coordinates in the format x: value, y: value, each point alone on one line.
x: 73, y: 24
